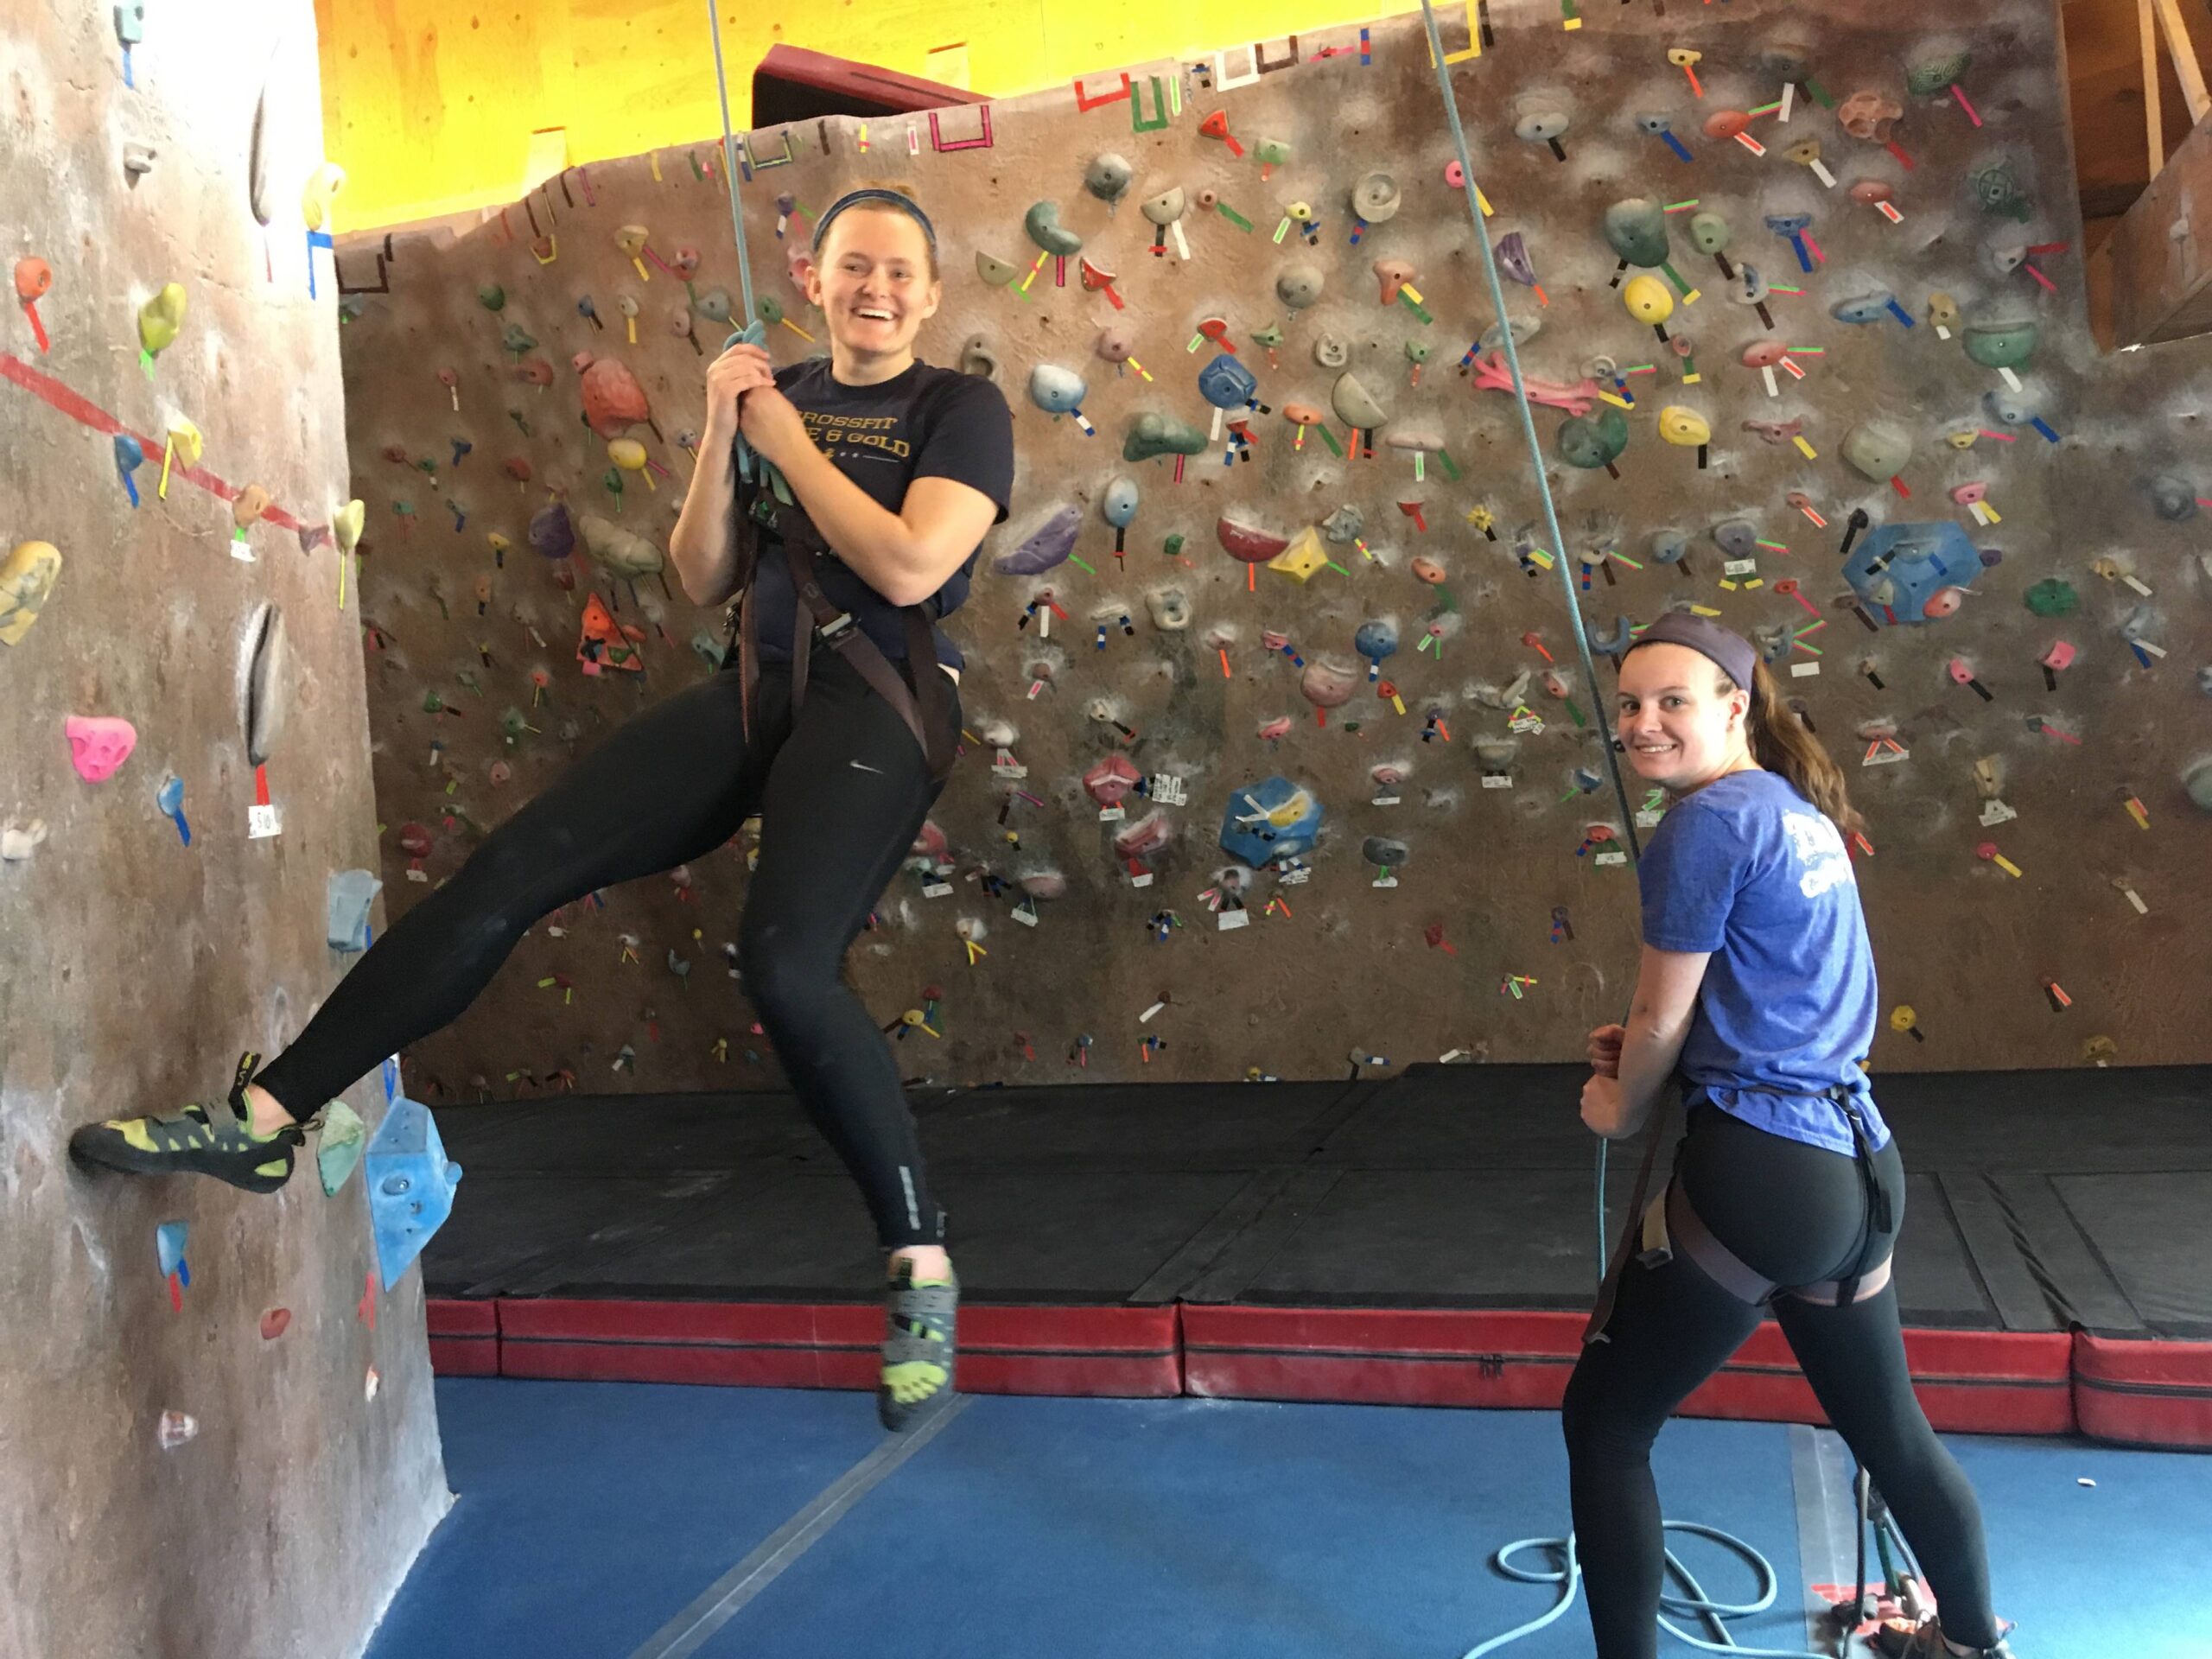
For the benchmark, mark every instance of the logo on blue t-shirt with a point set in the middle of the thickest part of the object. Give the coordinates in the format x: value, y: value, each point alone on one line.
x: 1820, y: 850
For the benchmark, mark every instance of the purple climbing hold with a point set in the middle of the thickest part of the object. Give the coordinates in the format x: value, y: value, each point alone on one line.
x: 551, y: 531
x: 1050, y: 545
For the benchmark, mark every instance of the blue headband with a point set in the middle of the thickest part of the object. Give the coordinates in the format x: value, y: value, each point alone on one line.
x: 889, y: 197
x: 1730, y: 652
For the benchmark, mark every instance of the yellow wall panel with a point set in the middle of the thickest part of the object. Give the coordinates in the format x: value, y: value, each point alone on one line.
x: 430, y: 104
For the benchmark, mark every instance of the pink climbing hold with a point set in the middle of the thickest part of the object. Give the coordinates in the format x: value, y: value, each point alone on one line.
x: 98, y: 744
x: 614, y: 401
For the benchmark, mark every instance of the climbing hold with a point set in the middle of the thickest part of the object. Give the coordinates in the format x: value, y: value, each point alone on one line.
x: 714, y: 305
x: 492, y: 297
x: 1242, y: 541
x: 1375, y: 198
x: 18, y: 839
x: 1329, y: 682
x: 410, y: 1185
x: 1385, y: 852
x: 1165, y: 208
x: 27, y: 581
x: 264, y: 685
x: 1670, y: 546
x: 2171, y: 498
x: 1868, y: 115
x: 1170, y: 609
x: 551, y: 532
x: 346, y: 524
x: 1119, y: 505
x: 517, y: 339
x: 1738, y: 538
x: 1998, y: 190
x: 323, y: 184
x: 1152, y: 435
x: 1355, y: 405
x: 1709, y: 232
x: 1344, y: 525
x: 621, y: 552
x: 1110, y: 779
x: 1864, y: 307
x: 275, y: 1322
x: 1330, y: 352
x: 2001, y: 345
x: 1686, y: 427
x: 977, y: 358
x: 1648, y: 300
x: 1392, y: 275
x: 1299, y: 286
x: 1107, y: 178
x: 1116, y: 340
x: 1055, y: 389
x: 1878, y: 448
x: 1933, y: 71
x: 995, y: 273
x: 1047, y: 546
x: 98, y: 744
x: 346, y: 898
x: 1270, y: 820
x: 1303, y: 559
x: 160, y: 319
x: 1593, y: 441
x: 1513, y: 260
x: 1225, y: 383
x: 1635, y: 229
x: 1541, y: 121
x: 1042, y: 221
x: 614, y: 401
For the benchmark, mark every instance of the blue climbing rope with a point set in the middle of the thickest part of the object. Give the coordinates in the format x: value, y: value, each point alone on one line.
x: 1567, y: 1571
x: 729, y: 168
x: 755, y: 332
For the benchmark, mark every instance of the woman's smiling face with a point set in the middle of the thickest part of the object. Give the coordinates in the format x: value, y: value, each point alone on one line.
x: 874, y: 281
x: 1674, y: 720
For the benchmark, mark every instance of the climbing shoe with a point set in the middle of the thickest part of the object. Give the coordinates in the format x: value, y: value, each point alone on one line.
x: 917, y: 1348
x: 206, y: 1138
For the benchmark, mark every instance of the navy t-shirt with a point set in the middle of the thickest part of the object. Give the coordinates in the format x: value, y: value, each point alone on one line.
x: 924, y: 422
x: 1748, y: 869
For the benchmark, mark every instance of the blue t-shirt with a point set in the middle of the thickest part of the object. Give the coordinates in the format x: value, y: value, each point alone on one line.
x: 1748, y: 869
x: 923, y: 423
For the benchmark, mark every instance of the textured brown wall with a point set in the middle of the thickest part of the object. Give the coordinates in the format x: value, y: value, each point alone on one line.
x: 1348, y: 971
x: 133, y: 968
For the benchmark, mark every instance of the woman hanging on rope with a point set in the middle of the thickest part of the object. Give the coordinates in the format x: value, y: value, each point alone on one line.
x: 883, y: 474
x: 1757, y: 983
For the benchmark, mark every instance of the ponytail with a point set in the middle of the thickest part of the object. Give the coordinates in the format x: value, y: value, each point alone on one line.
x: 1781, y: 742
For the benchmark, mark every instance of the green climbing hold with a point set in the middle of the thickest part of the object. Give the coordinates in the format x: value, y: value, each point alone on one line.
x: 1935, y: 72
x: 2052, y: 597
x: 1593, y: 441
x: 338, y: 1147
x: 1152, y: 435
x: 492, y: 297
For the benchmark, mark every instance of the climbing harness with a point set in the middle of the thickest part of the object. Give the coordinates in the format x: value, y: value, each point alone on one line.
x: 764, y: 510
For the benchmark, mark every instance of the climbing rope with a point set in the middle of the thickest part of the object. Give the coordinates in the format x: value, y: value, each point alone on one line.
x: 1567, y: 1573
x: 755, y: 332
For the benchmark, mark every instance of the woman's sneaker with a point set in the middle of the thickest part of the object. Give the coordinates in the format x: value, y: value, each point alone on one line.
x: 917, y: 1347
x: 206, y: 1138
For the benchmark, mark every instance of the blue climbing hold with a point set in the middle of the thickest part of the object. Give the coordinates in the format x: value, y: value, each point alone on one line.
x: 1272, y: 820
x: 410, y: 1186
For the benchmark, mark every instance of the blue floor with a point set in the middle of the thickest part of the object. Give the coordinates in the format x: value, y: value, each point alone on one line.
x: 591, y: 1513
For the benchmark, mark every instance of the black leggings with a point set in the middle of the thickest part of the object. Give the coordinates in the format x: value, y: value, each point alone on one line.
x: 840, y: 799
x: 1797, y: 1214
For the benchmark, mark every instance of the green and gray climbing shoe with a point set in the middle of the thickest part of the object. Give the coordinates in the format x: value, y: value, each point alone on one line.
x: 206, y: 1138
x: 917, y: 1348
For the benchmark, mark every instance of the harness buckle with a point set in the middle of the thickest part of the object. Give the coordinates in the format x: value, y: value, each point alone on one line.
x: 835, y: 629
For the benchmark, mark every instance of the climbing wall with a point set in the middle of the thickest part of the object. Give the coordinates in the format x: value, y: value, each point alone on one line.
x: 216, y: 1428
x: 1281, y: 759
